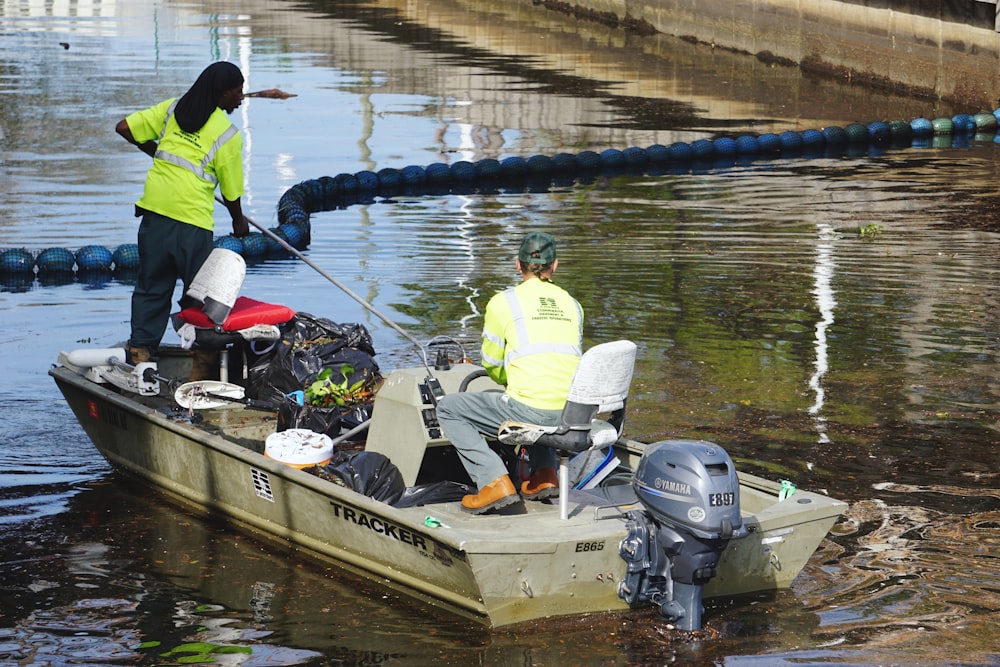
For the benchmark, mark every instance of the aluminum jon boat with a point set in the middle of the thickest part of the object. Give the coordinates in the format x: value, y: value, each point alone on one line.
x: 667, y: 523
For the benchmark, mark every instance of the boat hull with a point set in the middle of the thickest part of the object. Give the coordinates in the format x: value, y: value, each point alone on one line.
x: 497, y: 570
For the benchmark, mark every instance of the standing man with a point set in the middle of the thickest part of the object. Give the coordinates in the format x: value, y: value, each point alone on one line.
x: 195, y: 149
x: 532, y: 342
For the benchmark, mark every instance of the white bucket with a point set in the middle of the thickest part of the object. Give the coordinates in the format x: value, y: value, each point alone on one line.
x: 218, y: 283
x: 299, y: 447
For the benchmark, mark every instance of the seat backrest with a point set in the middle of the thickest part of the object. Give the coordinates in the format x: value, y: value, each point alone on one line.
x: 601, y: 384
x: 604, y: 375
x: 217, y: 283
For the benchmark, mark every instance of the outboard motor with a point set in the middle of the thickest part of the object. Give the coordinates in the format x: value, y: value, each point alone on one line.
x: 691, y: 497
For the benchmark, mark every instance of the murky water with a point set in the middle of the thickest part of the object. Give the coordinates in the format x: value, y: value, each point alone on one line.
x: 862, y: 365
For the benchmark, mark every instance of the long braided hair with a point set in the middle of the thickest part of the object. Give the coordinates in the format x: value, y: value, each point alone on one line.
x: 202, y: 98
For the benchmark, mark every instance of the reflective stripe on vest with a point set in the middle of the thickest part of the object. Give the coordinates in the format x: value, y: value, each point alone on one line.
x: 196, y: 169
x: 526, y: 346
x: 490, y: 361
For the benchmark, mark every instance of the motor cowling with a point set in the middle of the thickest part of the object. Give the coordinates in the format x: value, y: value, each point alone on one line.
x: 690, y: 494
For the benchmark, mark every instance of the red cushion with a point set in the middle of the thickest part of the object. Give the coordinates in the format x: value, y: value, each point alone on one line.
x: 246, y: 312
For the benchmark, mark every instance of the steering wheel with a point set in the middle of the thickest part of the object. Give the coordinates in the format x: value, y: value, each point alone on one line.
x: 467, y: 380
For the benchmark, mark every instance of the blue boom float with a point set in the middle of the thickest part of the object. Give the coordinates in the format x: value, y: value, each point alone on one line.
x: 536, y: 173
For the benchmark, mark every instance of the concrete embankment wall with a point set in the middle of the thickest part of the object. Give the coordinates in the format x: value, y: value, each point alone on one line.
x: 947, y: 50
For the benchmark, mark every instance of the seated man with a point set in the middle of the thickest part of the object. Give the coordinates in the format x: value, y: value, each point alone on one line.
x: 532, y: 342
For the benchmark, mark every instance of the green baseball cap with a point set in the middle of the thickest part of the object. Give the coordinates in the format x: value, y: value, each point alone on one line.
x: 537, y: 248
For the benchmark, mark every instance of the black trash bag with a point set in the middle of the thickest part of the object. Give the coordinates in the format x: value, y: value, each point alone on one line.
x: 310, y: 327
x: 369, y: 473
x: 338, y: 398
x: 446, y: 491
x: 291, y: 414
x: 331, y: 421
x: 356, y: 416
x: 308, y: 346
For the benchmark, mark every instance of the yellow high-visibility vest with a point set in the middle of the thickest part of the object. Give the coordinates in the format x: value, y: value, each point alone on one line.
x: 532, y: 342
x: 188, y: 166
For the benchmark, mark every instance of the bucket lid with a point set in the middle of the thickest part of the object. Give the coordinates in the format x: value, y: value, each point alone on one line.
x: 299, y: 446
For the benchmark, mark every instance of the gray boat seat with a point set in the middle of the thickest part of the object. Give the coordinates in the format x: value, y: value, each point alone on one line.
x: 600, y: 386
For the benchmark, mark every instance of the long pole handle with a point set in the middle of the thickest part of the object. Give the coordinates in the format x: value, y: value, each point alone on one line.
x: 354, y: 431
x: 344, y: 288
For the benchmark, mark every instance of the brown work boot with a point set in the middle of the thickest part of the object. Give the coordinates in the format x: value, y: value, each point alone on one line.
x: 204, y: 365
x: 543, y: 483
x: 498, y: 493
x: 137, y: 355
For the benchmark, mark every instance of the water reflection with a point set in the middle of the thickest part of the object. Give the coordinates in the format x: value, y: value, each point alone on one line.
x: 865, y: 367
x: 157, y: 580
x: 826, y: 302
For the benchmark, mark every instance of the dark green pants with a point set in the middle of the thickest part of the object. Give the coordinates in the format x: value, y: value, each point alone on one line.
x: 168, y: 250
